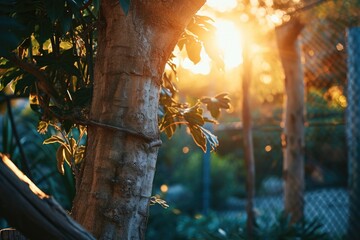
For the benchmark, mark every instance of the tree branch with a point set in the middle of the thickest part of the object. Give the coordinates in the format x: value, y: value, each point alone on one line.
x: 31, y: 211
x: 42, y: 82
x: 24, y: 160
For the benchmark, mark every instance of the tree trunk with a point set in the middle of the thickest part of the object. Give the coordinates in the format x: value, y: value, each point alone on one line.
x: 116, y: 180
x: 293, y: 138
x: 248, y: 141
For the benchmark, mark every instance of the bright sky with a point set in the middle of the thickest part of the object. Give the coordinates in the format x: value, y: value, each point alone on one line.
x: 229, y: 42
x: 228, y: 39
x: 222, y: 5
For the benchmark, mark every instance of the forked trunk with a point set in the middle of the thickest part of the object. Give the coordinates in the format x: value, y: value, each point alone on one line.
x: 116, y: 181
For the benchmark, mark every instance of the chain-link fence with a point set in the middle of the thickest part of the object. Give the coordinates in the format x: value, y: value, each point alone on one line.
x: 332, y: 109
x: 331, y: 168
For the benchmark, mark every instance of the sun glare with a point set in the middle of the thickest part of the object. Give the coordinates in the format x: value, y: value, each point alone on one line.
x: 229, y: 40
x: 203, y: 67
x: 223, y: 5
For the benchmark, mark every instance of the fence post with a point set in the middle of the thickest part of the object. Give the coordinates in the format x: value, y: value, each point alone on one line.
x: 353, y: 130
x: 248, y: 140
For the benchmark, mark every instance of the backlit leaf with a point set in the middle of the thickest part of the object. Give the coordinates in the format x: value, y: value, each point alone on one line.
x: 198, y: 136
x: 60, y: 159
x: 42, y: 127
x: 73, y: 146
x: 210, y: 138
x: 79, y: 154
x: 214, y: 104
x: 194, y: 118
x: 193, y: 49
x: 54, y: 139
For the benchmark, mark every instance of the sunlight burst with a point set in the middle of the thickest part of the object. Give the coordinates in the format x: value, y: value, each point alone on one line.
x: 203, y: 67
x: 223, y: 5
x: 229, y: 40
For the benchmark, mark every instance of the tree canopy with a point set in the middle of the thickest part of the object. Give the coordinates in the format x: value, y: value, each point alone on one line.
x: 48, y: 55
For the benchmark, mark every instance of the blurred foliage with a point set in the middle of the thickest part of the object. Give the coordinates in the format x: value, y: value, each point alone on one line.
x: 180, y: 166
x: 176, y: 226
x: 325, y: 150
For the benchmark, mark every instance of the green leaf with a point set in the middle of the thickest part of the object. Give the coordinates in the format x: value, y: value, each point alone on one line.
x: 194, y: 118
x: 198, y: 136
x: 10, y: 75
x: 60, y: 159
x: 42, y: 127
x: 62, y: 156
x: 181, y: 42
x: 167, y: 123
x: 54, y: 139
x: 210, y: 138
x: 24, y: 84
x: 200, y: 31
x: 125, y: 5
x: 80, y: 154
x: 82, y: 130
x: 193, y: 49
x: 214, y: 104
x: 73, y: 145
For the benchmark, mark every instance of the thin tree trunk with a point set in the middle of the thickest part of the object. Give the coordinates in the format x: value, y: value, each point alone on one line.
x: 248, y: 141
x: 116, y: 180
x: 293, y: 138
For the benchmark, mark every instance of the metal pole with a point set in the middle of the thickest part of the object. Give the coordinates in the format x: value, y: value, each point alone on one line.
x: 206, y: 171
x: 353, y: 130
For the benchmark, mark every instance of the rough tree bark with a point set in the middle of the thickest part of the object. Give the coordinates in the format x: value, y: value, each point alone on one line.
x: 114, y: 191
x: 31, y: 211
x: 293, y: 138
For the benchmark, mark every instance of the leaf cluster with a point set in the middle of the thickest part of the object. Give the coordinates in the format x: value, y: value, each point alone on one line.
x: 198, y: 35
x: 52, y: 60
x: 49, y: 58
x: 173, y: 114
x: 70, y: 150
x: 213, y: 228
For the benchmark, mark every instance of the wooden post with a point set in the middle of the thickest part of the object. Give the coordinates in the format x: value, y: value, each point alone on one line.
x: 248, y: 140
x: 293, y: 137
